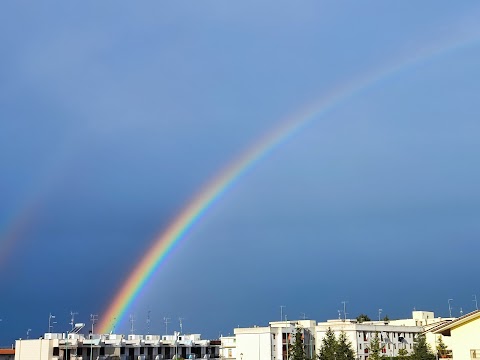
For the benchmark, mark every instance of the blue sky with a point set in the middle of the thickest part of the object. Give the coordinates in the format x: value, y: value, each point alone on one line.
x: 114, y: 114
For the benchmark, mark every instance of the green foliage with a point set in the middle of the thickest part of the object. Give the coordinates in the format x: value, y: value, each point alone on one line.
x: 421, y: 350
x: 329, y: 346
x: 374, y: 348
x: 344, y: 348
x: 296, y: 351
x: 442, y: 349
x: 363, y: 317
x: 402, y: 353
x: 386, y: 318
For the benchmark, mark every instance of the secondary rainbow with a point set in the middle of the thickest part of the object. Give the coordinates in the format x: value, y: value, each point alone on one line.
x: 164, y: 244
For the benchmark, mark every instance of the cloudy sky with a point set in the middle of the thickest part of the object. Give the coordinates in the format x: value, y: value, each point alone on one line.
x: 114, y: 114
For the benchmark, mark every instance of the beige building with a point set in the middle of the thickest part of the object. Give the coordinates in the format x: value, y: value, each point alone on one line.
x: 463, y: 335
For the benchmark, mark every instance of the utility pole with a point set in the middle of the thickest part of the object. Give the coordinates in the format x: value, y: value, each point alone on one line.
x: 450, y: 307
x: 344, y: 310
x: 166, y: 321
x: 93, y: 319
x: 132, y: 321
x: 181, y: 324
x: 72, y: 321
x: 50, y: 322
x: 148, y: 322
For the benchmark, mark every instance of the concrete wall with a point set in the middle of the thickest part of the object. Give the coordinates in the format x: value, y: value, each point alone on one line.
x: 40, y: 349
x: 255, y: 345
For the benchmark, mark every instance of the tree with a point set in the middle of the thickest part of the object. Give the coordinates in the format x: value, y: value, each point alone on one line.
x: 344, y: 348
x: 386, y: 318
x: 296, y: 351
x: 329, y: 346
x: 374, y: 348
x: 363, y: 317
x: 421, y: 350
x: 402, y: 353
x: 442, y: 349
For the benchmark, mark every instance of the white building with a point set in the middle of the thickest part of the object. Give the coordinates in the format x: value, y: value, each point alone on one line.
x: 392, y: 337
x: 271, y: 342
x: 393, y: 334
x: 114, y: 346
x: 228, y: 348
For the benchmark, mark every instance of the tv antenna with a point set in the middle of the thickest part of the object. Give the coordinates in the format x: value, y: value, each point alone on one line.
x: 303, y: 316
x: 180, y: 319
x: 475, y: 301
x: 344, y: 310
x: 148, y: 322
x: 461, y: 312
x: 379, y: 313
x: 281, y: 312
x: 72, y: 319
x: 50, y: 322
x: 166, y: 321
x: 450, y: 307
x: 132, y: 321
x: 339, y: 314
x: 28, y: 333
x: 93, y: 319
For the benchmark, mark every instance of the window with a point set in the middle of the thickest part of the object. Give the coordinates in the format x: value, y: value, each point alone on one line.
x: 56, y: 351
x: 360, y: 346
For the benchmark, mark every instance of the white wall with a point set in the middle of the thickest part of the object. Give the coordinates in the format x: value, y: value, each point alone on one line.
x: 40, y: 349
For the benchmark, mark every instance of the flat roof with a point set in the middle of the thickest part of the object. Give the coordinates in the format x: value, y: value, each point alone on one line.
x: 7, y: 351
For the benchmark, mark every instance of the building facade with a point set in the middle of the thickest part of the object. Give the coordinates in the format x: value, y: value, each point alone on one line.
x: 463, y: 335
x: 116, y: 347
x: 271, y: 342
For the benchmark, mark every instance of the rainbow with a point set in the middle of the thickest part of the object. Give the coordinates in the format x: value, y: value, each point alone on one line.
x: 165, y: 243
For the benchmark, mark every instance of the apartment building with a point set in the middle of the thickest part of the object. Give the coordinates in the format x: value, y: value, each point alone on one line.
x: 74, y: 346
x: 271, y: 342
